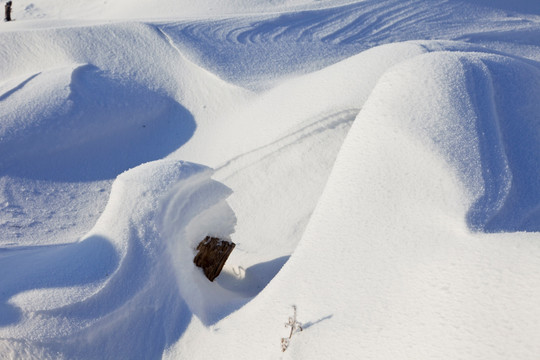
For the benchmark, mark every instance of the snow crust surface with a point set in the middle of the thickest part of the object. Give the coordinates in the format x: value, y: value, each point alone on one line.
x: 376, y: 163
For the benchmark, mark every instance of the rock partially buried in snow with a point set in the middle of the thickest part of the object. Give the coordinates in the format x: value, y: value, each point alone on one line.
x: 212, y: 255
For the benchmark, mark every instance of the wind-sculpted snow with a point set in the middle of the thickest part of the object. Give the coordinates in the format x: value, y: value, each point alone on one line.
x: 78, y: 106
x: 508, y: 119
x: 437, y: 156
x: 384, y: 183
x: 291, y: 41
x: 523, y: 6
x: 66, y: 123
x: 481, y: 119
x: 138, y: 256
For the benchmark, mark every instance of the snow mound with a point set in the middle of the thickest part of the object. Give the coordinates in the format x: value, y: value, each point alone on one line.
x: 480, y: 119
x: 78, y: 107
x: 65, y: 124
x: 439, y: 151
x: 138, y: 256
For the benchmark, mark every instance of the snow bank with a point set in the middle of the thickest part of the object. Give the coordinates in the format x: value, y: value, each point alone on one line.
x: 391, y: 254
x: 65, y: 124
x: 78, y: 300
x: 133, y: 54
x: 78, y: 107
x: 423, y: 153
x: 296, y: 131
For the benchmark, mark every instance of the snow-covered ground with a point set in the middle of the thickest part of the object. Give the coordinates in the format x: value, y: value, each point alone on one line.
x: 376, y: 162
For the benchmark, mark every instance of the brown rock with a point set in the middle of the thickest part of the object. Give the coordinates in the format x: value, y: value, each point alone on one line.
x: 213, y: 252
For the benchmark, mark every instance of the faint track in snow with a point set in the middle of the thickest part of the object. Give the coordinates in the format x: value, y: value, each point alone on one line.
x: 343, y: 118
x: 18, y: 87
x: 285, y: 178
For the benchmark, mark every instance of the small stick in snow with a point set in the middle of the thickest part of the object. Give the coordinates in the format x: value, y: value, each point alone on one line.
x: 295, y: 327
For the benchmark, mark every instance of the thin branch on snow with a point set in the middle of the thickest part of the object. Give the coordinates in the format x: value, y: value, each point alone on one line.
x: 295, y: 327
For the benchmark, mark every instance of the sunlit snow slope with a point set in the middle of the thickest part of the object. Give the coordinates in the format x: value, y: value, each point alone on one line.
x: 376, y: 163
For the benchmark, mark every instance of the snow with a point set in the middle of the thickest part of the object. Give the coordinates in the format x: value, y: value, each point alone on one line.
x: 374, y: 161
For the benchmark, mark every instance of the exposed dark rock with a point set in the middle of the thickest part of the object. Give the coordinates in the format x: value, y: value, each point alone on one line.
x: 213, y: 252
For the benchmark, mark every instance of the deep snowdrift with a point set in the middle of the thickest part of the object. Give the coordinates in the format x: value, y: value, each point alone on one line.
x: 428, y: 159
x: 387, y: 188
x: 136, y: 258
x: 82, y: 113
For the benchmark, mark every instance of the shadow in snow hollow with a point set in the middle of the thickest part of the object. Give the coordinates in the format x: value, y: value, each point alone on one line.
x: 30, y: 268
